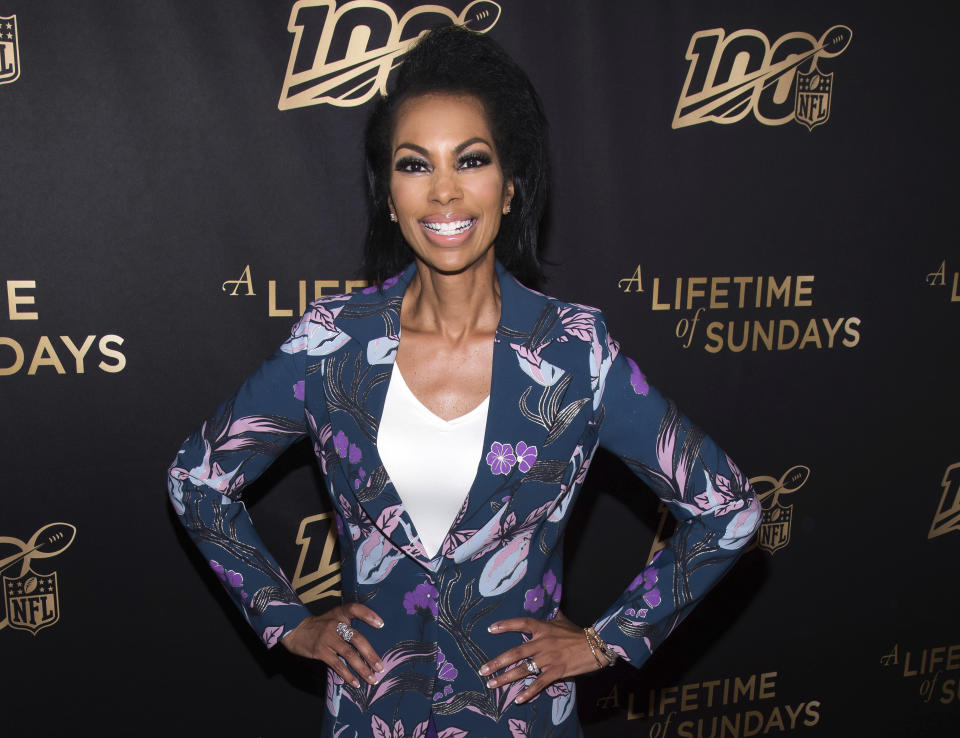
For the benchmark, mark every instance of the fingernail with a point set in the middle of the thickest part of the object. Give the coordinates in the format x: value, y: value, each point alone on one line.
x: 493, y: 628
x: 372, y: 679
x: 378, y: 666
x: 520, y: 699
x: 484, y: 670
x: 491, y: 683
x: 356, y: 683
x: 378, y: 623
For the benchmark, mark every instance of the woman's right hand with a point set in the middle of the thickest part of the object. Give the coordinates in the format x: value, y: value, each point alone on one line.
x: 317, y: 638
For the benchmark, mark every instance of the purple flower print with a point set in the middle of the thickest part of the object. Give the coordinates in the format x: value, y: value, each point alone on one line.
x: 526, y: 455
x: 421, y: 600
x: 299, y: 389
x: 387, y: 284
x: 448, y: 672
x: 345, y: 449
x: 551, y: 586
x: 533, y: 599
x: 647, y: 579
x: 501, y: 458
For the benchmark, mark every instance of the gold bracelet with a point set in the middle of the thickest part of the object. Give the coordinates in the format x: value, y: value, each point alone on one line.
x: 596, y: 643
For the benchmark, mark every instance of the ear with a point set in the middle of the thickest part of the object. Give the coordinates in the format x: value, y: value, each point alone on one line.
x: 507, y: 192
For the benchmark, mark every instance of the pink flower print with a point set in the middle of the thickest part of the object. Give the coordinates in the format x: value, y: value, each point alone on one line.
x: 501, y: 458
x: 421, y: 600
x: 533, y: 599
x: 637, y: 380
x: 526, y: 455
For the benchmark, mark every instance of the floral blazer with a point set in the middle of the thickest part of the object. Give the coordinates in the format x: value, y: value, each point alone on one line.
x: 560, y: 388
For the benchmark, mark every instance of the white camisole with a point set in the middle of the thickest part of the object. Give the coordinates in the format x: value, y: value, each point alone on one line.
x: 431, y: 461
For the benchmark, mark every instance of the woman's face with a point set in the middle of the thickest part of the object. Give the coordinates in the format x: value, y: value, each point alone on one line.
x: 446, y: 185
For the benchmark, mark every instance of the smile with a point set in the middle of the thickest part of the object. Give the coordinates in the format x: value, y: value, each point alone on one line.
x: 449, y: 228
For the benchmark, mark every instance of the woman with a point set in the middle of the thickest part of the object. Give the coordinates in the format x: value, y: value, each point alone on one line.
x: 455, y: 413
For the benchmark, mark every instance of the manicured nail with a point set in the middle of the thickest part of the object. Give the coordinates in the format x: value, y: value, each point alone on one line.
x: 520, y: 699
x: 378, y: 666
x: 484, y: 670
x: 378, y: 622
x: 356, y: 683
x: 491, y: 683
x: 372, y: 679
x: 493, y: 628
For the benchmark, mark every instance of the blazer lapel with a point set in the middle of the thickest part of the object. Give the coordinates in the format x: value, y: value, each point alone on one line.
x: 527, y: 394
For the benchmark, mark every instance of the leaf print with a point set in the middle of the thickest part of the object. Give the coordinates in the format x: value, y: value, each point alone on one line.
x: 637, y: 380
x: 382, y: 350
x: 271, y: 635
x: 376, y: 558
x: 452, y: 733
x: 563, y: 702
x: 579, y: 324
x: 505, y: 567
x: 380, y: 727
x: 539, y: 370
x: 518, y: 728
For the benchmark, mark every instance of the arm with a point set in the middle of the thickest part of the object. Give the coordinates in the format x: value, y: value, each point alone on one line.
x: 716, y: 509
x: 207, y: 478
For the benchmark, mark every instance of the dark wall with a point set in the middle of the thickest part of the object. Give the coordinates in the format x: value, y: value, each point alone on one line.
x: 759, y: 195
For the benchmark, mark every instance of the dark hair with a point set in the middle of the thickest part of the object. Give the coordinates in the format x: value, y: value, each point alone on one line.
x: 452, y: 59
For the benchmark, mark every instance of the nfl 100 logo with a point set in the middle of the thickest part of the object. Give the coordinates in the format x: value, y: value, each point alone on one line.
x: 9, y: 50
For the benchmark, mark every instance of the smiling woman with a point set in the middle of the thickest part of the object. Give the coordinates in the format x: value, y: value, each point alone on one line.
x: 454, y: 413
x: 447, y: 189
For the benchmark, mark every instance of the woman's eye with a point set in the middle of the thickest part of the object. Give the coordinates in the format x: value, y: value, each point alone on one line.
x: 472, y: 161
x: 411, y: 164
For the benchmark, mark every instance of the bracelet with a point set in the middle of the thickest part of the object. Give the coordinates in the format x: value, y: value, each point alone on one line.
x: 596, y: 643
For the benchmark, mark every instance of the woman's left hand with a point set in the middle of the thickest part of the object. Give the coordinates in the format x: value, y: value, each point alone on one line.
x: 557, y: 647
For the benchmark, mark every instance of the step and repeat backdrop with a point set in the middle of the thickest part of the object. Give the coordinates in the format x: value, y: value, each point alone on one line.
x: 760, y: 197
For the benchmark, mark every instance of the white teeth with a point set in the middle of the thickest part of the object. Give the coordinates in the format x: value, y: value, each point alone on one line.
x: 450, y: 228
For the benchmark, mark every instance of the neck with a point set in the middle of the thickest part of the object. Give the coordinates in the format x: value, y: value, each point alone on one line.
x: 453, y: 305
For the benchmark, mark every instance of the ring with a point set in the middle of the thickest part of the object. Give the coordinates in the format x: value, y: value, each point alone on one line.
x: 345, y: 631
x: 532, y: 666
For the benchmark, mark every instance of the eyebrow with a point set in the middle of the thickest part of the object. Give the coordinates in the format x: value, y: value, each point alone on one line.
x: 423, y: 152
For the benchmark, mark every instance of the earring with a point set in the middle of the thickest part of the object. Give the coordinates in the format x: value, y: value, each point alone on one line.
x: 393, y: 217
x: 506, y: 209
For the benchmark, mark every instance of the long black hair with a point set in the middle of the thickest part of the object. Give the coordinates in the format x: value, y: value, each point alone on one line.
x: 454, y: 60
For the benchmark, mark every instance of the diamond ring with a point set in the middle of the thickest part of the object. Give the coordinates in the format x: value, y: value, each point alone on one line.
x: 345, y: 631
x: 532, y: 666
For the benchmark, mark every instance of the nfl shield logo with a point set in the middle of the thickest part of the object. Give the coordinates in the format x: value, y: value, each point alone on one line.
x: 31, y: 601
x: 812, y: 106
x: 775, y: 526
x: 9, y: 50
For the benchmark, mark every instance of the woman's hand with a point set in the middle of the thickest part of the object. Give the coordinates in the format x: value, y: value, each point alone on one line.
x: 317, y: 638
x: 558, y: 647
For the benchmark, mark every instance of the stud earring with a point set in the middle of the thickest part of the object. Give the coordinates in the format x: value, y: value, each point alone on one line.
x: 393, y: 217
x: 506, y: 209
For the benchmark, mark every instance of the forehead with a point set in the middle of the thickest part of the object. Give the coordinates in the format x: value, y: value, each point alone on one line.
x: 439, y: 119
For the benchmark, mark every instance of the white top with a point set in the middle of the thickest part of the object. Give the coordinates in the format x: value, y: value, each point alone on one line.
x: 431, y: 461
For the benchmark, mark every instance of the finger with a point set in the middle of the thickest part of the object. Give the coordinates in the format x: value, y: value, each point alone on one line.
x: 335, y: 662
x: 360, y: 645
x: 359, y: 666
x: 507, y: 659
x: 518, y: 672
x: 534, y: 688
x: 522, y: 625
x: 364, y: 613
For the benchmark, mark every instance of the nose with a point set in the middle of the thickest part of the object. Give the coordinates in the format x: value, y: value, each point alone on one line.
x: 445, y: 187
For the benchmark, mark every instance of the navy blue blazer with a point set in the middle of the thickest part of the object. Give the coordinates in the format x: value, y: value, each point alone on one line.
x: 560, y: 388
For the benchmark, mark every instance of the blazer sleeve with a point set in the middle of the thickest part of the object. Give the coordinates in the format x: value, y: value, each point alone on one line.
x: 206, y: 481
x: 717, y: 511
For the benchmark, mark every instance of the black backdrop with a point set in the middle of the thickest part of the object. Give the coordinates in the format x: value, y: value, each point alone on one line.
x: 164, y: 194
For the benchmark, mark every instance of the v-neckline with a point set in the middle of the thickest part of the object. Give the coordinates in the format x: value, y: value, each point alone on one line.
x: 443, y: 422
